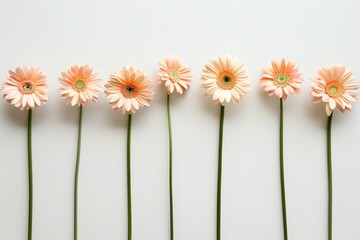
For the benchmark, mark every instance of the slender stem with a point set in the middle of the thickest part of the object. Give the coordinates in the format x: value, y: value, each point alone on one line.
x: 282, y: 178
x: 170, y: 171
x: 77, y: 175
x: 129, y: 178
x: 329, y: 168
x: 30, y: 176
x: 218, y: 222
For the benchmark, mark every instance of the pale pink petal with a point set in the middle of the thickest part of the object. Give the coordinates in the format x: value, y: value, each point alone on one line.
x: 332, y: 103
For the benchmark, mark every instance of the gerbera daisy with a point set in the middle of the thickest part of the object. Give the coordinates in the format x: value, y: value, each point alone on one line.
x: 174, y: 74
x: 281, y: 79
x: 26, y: 88
x: 129, y: 89
x: 335, y: 86
x: 79, y: 85
x: 225, y: 79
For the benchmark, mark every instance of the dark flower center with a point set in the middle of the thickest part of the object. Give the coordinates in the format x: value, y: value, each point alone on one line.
x: 27, y: 87
x: 226, y: 79
x: 130, y: 89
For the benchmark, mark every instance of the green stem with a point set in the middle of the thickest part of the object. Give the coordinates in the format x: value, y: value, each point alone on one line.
x: 329, y: 169
x: 30, y: 176
x: 218, y: 218
x: 170, y: 171
x: 77, y: 175
x: 282, y: 178
x: 129, y: 178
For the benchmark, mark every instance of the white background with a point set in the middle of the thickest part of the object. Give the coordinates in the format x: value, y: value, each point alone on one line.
x: 111, y: 33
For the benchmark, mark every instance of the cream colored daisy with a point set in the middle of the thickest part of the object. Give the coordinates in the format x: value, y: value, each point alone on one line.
x: 225, y: 79
x: 174, y: 74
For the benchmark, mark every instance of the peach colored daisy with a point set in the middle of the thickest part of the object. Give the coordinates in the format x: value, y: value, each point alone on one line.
x: 225, y: 79
x: 26, y: 88
x: 79, y: 85
x: 335, y: 86
x: 281, y: 79
x: 174, y: 74
x: 128, y: 90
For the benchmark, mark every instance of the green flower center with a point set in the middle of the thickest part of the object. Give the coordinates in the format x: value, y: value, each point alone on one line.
x: 281, y: 78
x: 79, y: 84
x: 226, y: 79
x: 174, y: 75
x: 333, y: 90
x: 27, y: 87
x: 130, y: 89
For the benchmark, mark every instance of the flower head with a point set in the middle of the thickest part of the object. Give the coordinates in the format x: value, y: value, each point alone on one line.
x: 128, y: 90
x: 26, y: 88
x: 281, y: 79
x: 79, y: 85
x: 174, y: 74
x: 335, y: 86
x: 225, y: 79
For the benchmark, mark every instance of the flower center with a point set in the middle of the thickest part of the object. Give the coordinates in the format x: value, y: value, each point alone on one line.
x: 334, y: 88
x: 80, y: 84
x: 226, y: 80
x: 27, y: 87
x: 129, y: 91
x: 174, y: 75
x: 281, y: 78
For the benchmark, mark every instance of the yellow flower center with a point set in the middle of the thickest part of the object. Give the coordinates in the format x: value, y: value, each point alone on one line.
x: 281, y: 78
x: 334, y: 88
x: 226, y: 80
x: 80, y: 84
x: 174, y: 75
x: 27, y: 87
